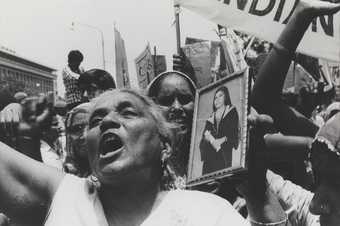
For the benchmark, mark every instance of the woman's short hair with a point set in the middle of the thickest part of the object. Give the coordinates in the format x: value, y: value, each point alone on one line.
x: 165, y: 130
x: 225, y: 91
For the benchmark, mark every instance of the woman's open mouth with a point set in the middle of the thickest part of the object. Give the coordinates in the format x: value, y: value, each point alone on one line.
x: 110, y: 143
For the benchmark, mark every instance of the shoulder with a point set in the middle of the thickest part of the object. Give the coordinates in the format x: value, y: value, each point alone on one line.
x: 232, y: 112
x: 73, y: 203
x: 69, y: 187
x: 70, y: 191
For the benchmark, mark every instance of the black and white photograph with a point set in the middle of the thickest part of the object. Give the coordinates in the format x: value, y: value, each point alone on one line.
x: 170, y: 113
x: 219, y: 135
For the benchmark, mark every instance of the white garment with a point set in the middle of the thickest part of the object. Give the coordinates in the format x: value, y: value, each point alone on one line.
x: 77, y: 204
x: 49, y: 157
x: 294, y: 199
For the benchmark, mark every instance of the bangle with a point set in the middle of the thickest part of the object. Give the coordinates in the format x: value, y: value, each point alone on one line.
x: 283, y: 222
x: 281, y: 49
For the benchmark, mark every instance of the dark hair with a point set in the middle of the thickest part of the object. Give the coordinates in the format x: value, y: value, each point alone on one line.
x: 225, y: 91
x: 101, y: 78
x: 154, y: 86
x: 75, y: 56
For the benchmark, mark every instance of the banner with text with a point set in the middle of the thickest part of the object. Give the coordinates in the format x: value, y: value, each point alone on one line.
x: 267, y: 18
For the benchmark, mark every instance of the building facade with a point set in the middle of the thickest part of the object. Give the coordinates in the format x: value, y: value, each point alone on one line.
x: 21, y: 74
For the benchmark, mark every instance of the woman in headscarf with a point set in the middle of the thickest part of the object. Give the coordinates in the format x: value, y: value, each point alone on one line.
x: 76, y: 161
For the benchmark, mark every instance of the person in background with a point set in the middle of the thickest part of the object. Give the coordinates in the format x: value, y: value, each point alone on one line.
x: 76, y: 161
x: 266, y: 98
x: 175, y: 93
x: 71, y: 75
x: 20, y: 96
x: 94, y: 82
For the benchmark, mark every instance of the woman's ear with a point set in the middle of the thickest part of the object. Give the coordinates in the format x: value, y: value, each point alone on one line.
x: 166, y: 151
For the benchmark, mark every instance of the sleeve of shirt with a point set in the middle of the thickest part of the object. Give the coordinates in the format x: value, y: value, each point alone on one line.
x: 68, y: 74
x: 230, y: 216
x: 294, y: 199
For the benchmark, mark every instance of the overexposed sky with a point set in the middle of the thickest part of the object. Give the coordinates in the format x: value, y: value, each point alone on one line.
x: 41, y: 30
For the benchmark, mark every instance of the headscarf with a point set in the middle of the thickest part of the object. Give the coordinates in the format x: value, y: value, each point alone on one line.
x: 329, y: 134
x: 154, y: 84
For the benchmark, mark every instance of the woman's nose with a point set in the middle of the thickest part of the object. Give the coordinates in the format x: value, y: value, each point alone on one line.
x: 110, y: 122
x: 176, y: 104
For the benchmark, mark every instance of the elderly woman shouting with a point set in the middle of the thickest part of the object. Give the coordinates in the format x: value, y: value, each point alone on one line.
x: 129, y: 142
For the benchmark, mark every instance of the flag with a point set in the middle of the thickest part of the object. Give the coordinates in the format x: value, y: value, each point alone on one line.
x: 122, y: 73
x: 266, y: 19
x: 145, y: 67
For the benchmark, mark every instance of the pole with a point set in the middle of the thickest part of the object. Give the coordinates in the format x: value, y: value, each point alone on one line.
x: 154, y: 61
x: 178, y: 29
x: 101, y: 36
x: 103, y: 49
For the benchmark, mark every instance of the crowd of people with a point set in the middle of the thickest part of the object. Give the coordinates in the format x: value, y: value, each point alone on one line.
x: 120, y: 157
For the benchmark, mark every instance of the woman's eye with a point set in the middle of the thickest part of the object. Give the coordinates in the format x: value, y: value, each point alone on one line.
x: 185, y: 99
x: 128, y: 112
x: 166, y: 100
x: 95, y: 122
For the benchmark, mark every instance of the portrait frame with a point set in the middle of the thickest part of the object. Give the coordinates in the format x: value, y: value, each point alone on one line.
x: 238, y: 85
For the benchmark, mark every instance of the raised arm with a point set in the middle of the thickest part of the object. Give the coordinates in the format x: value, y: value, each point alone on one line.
x: 26, y: 186
x: 266, y: 96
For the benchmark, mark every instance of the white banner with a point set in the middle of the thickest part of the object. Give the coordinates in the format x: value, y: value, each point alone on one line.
x: 266, y: 19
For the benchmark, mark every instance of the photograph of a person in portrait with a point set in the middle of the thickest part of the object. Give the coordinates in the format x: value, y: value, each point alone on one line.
x: 220, y: 134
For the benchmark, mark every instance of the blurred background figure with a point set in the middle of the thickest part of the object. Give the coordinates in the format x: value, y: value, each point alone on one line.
x: 71, y: 75
x: 20, y: 96
x: 94, y: 82
x: 76, y: 161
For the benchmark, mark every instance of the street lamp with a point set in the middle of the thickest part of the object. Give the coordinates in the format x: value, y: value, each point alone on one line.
x: 101, y: 35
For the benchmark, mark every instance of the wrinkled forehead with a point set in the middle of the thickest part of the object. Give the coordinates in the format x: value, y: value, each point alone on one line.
x: 115, y: 98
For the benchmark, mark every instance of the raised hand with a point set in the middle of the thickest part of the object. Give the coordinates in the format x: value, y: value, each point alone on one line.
x: 37, y: 116
x: 10, y: 117
x: 181, y: 63
x: 318, y: 7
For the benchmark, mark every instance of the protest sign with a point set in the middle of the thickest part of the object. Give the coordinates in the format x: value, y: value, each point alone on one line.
x: 204, y: 57
x: 145, y: 67
x: 267, y: 18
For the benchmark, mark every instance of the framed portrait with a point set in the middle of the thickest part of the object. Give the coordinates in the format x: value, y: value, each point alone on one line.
x: 220, y: 131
